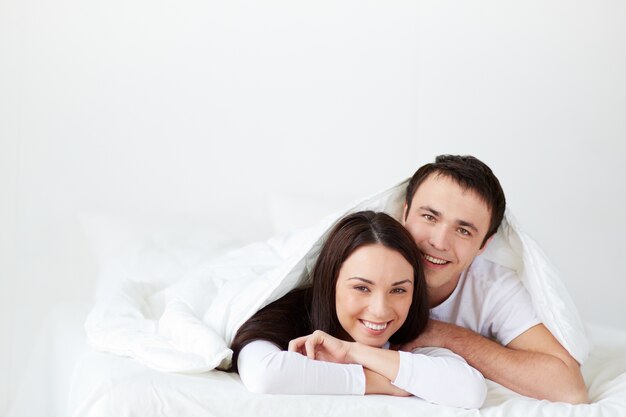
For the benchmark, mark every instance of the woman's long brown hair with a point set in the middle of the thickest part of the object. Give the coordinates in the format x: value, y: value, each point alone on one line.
x: 304, y: 310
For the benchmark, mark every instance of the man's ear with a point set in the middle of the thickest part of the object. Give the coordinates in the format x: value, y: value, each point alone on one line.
x: 485, y: 245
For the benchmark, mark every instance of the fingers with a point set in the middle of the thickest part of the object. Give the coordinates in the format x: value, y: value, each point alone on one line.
x: 307, y: 345
x: 310, y: 345
x: 297, y: 345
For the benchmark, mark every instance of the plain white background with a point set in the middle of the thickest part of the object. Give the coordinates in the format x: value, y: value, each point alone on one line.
x: 211, y: 108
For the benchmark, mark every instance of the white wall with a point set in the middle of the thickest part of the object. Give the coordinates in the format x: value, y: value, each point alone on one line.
x: 8, y: 253
x: 8, y: 204
x: 538, y: 90
x: 139, y: 107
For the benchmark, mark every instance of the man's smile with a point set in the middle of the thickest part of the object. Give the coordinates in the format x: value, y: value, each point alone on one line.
x: 436, y: 261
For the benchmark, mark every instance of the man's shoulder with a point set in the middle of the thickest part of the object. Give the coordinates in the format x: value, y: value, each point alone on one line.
x: 485, y: 272
x: 495, y: 296
x: 482, y: 286
x: 488, y: 277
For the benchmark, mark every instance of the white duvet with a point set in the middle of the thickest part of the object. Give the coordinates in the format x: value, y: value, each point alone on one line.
x: 185, y: 323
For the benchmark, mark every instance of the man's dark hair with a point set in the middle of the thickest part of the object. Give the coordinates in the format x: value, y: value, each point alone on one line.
x: 471, y: 174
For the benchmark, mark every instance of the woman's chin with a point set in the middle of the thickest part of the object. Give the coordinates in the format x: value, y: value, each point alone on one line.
x: 373, y: 341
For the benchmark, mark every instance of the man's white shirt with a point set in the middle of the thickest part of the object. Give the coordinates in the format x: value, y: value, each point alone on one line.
x: 489, y: 299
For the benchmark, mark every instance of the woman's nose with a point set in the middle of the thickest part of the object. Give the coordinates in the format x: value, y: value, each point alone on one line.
x: 379, y: 306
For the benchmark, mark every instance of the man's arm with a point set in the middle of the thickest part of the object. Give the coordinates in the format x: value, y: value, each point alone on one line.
x: 533, y: 364
x: 377, y: 384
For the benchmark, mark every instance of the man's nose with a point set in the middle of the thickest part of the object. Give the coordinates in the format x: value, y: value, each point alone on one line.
x: 439, y: 238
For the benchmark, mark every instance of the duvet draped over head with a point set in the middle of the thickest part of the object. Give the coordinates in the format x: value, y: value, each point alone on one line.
x: 187, y: 325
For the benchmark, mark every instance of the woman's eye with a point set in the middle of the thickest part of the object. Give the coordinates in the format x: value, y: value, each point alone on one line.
x: 361, y: 288
x: 398, y: 290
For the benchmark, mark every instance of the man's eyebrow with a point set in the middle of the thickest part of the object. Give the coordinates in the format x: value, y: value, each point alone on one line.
x: 372, y: 282
x: 432, y: 210
x: 468, y: 225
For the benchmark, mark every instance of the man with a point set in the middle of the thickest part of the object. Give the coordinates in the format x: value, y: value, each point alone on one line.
x: 481, y: 310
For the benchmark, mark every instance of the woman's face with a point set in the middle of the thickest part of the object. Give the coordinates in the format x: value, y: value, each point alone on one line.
x: 373, y: 294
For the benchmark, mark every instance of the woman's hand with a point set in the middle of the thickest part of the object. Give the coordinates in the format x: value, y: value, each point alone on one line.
x: 322, y: 346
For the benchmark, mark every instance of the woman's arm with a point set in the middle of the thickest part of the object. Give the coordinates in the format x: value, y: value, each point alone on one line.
x: 440, y: 376
x: 434, y: 374
x: 265, y: 368
x: 437, y: 375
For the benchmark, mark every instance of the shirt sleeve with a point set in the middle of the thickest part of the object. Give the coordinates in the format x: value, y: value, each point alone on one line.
x: 265, y: 368
x: 442, y: 377
x: 512, y: 311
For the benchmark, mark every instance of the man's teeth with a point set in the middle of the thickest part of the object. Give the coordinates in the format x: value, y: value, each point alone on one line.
x: 374, y: 326
x: 435, y: 260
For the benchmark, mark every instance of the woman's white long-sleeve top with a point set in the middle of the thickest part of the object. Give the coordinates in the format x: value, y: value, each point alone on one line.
x: 436, y: 375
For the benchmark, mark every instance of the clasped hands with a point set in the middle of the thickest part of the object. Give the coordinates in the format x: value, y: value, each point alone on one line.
x: 321, y: 346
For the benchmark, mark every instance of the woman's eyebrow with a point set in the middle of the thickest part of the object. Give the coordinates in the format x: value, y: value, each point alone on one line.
x: 373, y: 283
x: 363, y: 279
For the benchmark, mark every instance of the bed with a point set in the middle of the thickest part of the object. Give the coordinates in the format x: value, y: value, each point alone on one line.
x: 70, y: 379
x: 139, y: 351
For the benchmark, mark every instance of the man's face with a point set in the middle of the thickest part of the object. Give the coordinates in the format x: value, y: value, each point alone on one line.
x: 448, y: 225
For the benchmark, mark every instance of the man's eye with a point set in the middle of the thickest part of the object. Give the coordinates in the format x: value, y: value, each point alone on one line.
x: 464, y: 232
x: 428, y: 217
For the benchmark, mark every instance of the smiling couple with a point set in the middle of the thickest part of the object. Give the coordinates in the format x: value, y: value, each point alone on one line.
x: 452, y: 319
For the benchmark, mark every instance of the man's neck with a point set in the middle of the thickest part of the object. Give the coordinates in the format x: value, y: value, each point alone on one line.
x: 438, y: 295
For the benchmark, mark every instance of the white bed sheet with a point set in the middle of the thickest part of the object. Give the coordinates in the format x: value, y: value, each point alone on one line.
x: 69, y: 379
x: 107, y: 385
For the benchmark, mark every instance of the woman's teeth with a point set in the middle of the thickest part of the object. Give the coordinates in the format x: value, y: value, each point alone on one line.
x: 374, y: 326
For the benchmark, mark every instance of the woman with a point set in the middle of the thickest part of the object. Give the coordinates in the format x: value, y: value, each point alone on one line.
x: 332, y: 337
